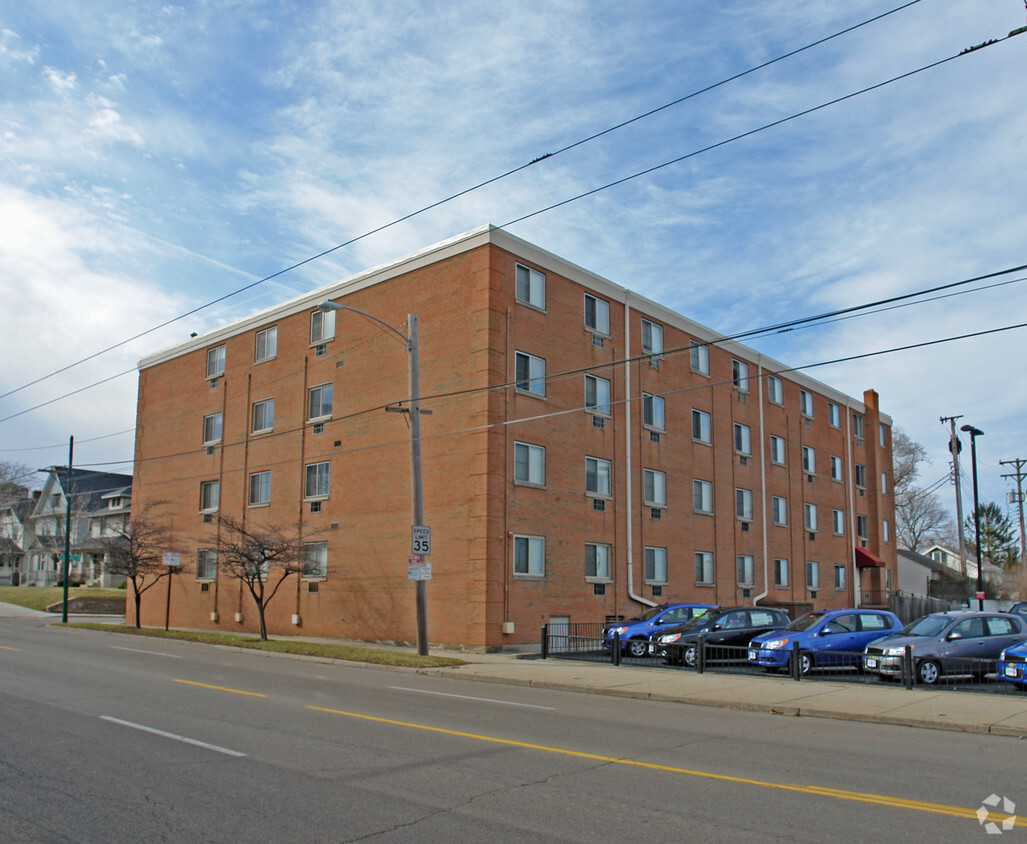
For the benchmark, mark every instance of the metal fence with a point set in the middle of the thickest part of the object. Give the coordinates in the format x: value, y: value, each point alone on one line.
x: 588, y: 642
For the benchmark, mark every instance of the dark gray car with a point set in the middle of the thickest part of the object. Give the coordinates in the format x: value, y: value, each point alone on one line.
x: 946, y: 643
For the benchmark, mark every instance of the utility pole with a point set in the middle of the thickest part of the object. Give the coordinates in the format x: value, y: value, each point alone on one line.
x: 955, y: 446
x: 1019, y: 474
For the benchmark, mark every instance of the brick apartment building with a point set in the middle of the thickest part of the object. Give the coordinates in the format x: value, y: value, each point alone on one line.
x: 586, y: 453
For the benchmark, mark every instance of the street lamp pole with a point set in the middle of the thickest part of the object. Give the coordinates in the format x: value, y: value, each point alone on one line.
x: 974, y: 434
x: 417, y: 500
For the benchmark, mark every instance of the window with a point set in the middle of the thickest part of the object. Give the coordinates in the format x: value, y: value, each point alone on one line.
x: 652, y: 338
x: 704, y: 567
x: 884, y: 529
x: 860, y: 475
x: 743, y: 567
x: 740, y: 375
x: 315, y: 560
x: 838, y: 522
x: 597, y: 394
x: 836, y: 468
x: 812, y: 575
x: 743, y: 442
x: 206, y: 563
x: 777, y: 449
x: 263, y: 415
x: 655, y: 565
x: 322, y: 327
x: 780, y: 573
x: 597, y: 476
x: 531, y: 286
x: 260, y: 488
x: 699, y: 354
x: 267, y: 344
x: 597, y: 314
x: 654, y: 488
x: 652, y: 411
x: 216, y: 362
x: 857, y: 425
x: 529, y: 556
x: 700, y: 425
x: 597, y: 560
x: 809, y: 460
x: 775, y: 391
x: 884, y: 483
x: 833, y: 416
x: 839, y: 577
x: 861, y: 527
x: 529, y: 464
x: 805, y: 402
x: 530, y: 373
x: 209, y: 494
x: 702, y: 496
x: 317, y: 480
x: 779, y: 510
x: 881, y: 435
x: 809, y: 516
x: 212, y: 429
x: 319, y: 402
x: 743, y: 503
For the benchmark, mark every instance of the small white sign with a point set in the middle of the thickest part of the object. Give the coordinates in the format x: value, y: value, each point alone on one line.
x: 420, y: 540
x: 172, y: 559
x: 418, y: 569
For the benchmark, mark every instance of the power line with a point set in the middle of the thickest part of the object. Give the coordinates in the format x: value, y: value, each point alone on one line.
x: 461, y: 193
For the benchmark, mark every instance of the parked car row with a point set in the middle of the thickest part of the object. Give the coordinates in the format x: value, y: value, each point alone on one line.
x: 872, y: 640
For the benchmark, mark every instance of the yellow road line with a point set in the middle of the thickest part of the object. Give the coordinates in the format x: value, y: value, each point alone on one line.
x: 5, y: 648
x: 839, y: 794
x: 220, y: 688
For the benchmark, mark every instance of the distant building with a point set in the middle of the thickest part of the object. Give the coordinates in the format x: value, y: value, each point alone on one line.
x: 588, y: 453
x: 14, y: 529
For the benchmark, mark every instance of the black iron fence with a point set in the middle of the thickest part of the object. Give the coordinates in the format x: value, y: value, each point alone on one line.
x: 589, y: 642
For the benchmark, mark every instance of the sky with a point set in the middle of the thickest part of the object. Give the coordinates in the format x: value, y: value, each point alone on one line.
x: 155, y: 157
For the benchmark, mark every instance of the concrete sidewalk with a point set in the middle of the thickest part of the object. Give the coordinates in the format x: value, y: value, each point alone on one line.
x: 977, y: 712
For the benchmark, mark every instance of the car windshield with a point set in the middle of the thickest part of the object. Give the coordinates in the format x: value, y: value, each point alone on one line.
x: 697, y: 622
x: 648, y: 615
x: 805, y: 622
x: 929, y: 625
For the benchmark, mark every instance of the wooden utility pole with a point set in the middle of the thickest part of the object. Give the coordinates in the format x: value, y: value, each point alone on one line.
x: 954, y: 447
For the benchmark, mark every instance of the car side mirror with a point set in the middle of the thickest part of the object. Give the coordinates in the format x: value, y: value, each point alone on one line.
x: 826, y: 632
x: 953, y: 636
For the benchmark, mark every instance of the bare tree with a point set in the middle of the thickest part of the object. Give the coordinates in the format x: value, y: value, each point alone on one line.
x: 15, y: 481
x: 137, y: 551
x: 259, y: 557
x: 919, y: 519
x: 907, y: 455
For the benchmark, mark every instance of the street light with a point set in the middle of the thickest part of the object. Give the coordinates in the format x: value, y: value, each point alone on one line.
x: 974, y: 434
x: 415, y: 448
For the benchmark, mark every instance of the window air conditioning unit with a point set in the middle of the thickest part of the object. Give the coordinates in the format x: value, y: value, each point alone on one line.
x: 598, y: 422
x: 598, y: 504
x: 318, y: 428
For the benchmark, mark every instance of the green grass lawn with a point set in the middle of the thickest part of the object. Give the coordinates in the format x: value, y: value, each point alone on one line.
x: 40, y: 597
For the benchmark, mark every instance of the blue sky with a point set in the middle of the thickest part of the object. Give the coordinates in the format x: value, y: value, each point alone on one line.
x: 156, y: 156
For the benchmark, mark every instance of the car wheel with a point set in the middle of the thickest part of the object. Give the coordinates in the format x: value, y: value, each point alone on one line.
x: 805, y: 662
x: 638, y: 647
x: 928, y: 672
x: 688, y: 656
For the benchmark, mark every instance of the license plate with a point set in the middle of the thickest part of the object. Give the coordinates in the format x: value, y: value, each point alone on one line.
x: 871, y: 662
x: 1011, y: 671
x: 752, y: 653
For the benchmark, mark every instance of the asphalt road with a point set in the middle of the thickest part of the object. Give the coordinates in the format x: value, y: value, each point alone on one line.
x: 107, y: 738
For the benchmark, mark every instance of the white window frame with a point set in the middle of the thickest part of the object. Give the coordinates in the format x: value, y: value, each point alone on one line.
x: 743, y: 504
x: 531, y: 381
x: 597, y: 559
x: 859, y: 475
x: 857, y: 425
x: 259, y: 494
x: 653, y: 412
x: 884, y: 530
x: 699, y: 357
x: 779, y: 510
x: 705, y: 426
x: 317, y: 480
x: 780, y: 573
x: 265, y: 344
x: 529, y: 553
x: 602, y: 470
x: 812, y: 575
x: 652, y: 337
x: 880, y: 433
x: 654, y: 488
x: 836, y: 468
x: 320, y: 391
x: 322, y: 327
x: 598, y: 321
x: 862, y: 526
x: 206, y: 563
x: 212, y: 428
x: 210, y: 496
x: 655, y: 564
x: 777, y: 449
x: 216, y: 361
x: 529, y: 464
x: 740, y: 375
x: 744, y: 570
x: 530, y: 286
x: 775, y: 390
x: 315, y: 561
x: 834, y: 416
x: 702, y: 496
x: 742, y: 439
x: 884, y: 483
x: 266, y: 410
x: 839, y: 577
x: 597, y: 395
x: 806, y: 403
x: 809, y: 517
x: 704, y: 572
x: 838, y: 522
x: 809, y: 460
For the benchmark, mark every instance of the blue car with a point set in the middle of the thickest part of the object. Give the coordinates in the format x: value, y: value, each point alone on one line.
x: 635, y: 632
x: 825, y: 638
x: 1012, y: 664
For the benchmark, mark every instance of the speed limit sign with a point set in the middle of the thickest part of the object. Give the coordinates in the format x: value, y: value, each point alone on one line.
x: 420, y: 539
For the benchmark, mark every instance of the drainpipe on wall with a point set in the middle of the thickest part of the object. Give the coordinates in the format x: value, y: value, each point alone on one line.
x: 763, y: 481
x: 857, y: 583
x: 628, y: 469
